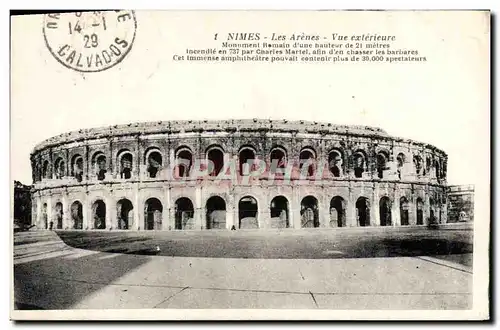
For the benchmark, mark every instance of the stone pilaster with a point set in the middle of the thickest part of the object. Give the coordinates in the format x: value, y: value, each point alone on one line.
x: 86, y: 214
x: 351, y: 213
x: 199, y: 218
x: 38, y: 216
x: 427, y: 207
x: 166, y: 217
x: 66, y: 211
x: 111, y: 216
x: 295, y: 210
x: 171, y: 218
x: 236, y: 217
x: 374, y: 209
x: 324, y: 211
x: 49, y: 211
x: 138, y: 209
x: 171, y: 159
x: 230, y: 217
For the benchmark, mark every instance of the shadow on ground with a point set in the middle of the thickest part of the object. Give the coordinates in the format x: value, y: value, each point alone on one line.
x: 304, y: 244
x: 44, y: 282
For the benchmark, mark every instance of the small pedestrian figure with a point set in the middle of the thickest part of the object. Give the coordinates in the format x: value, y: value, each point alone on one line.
x: 51, y: 224
x: 233, y: 228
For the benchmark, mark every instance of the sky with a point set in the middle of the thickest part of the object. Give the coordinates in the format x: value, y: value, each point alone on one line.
x: 443, y: 101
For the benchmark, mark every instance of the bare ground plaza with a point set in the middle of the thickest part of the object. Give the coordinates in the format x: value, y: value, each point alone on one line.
x: 349, y: 268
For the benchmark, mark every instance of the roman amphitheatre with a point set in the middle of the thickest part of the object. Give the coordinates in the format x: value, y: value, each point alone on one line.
x: 258, y: 174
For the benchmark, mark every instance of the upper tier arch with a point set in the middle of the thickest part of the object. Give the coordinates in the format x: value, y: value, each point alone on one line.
x: 228, y: 125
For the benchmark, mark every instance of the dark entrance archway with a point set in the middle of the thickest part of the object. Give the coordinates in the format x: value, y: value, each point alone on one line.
x: 363, y: 211
x: 248, y: 209
x: 432, y: 215
x: 184, y: 214
x: 77, y: 215
x: 309, y: 212
x: 385, y: 211
x: 403, y: 211
x: 45, y: 220
x: 153, y: 214
x: 216, y: 213
x: 432, y: 218
x: 99, y: 214
x: 279, y: 212
x: 420, y: 211
x: 125, y: 214
x: 337, y: 212
x: 58, y: 216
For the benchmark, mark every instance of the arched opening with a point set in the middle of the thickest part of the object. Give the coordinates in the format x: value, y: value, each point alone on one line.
x: 215, y: 157
x: 420, y: 211
x: 401, y: 162
x: 359, y: 164
x: 279, y: 212
x: 45, y: 170
x: 246, y: 159
x: 184, y: 213
x: 278, y: 159
x: 432, y: 215
x: 38, y: 171
x: 77, y: 167
x: 59, y: 169
x: 99, y: 214
x: 248, y: 213
x: 153, y: 214
x: 381, y: 164
x: 307, y: 159
x: 154, y: 163
x: 184, y: 159
x: 309, y: 212
x: 58, y: 215
x: 99, y: 165
x: 216, y: 213
x: 417, y: 161
x: 427, y: 165
x: 403, y: 211
x: 363, y: 212
x: 77, y: 215
x: 337, y: 212
x: 45, y: 220
x: 126, y: 165
x: 335, y: 163
x: 124, y: 211
x: 385, y: 211
x: 438, y: 172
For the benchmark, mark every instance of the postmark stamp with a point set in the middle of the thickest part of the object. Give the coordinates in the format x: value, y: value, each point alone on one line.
x: 90, y: 41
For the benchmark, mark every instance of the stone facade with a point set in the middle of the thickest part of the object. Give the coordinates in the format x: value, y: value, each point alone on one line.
x: 140, y: 176
x: 460, y: 203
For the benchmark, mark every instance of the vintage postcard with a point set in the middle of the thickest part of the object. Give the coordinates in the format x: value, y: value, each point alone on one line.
x: 250, y: 165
